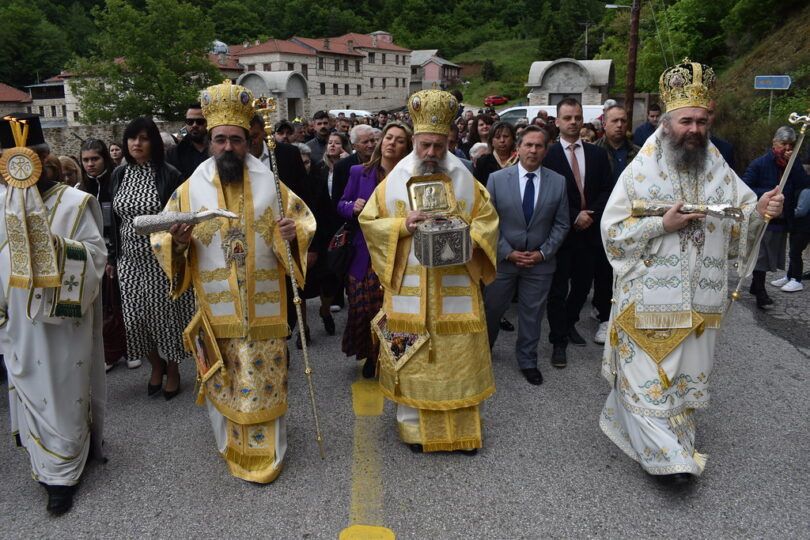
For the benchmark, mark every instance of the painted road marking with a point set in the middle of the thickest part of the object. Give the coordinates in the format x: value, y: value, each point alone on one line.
x: 366, y: 515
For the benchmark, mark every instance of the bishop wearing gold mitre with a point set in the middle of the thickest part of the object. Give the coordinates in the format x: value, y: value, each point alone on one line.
x: 435, y: 359
x: 237, y: 268
x: 671, y: 277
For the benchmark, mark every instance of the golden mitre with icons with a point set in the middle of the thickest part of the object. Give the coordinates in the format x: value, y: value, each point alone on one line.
x: 432, y: 111
x: 688, y: 84
x: 20, y: 166
x: 227, y: 104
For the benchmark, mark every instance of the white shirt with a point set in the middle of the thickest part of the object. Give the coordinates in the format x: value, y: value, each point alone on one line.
x: 522, y: 179
x: 580, y: 152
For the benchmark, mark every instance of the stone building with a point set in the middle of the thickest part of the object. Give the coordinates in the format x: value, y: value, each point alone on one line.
x: 289, y: 88
x: 13, y: 100
x: 586, y: 80
x: 54, y: 101
x: 429, y: 69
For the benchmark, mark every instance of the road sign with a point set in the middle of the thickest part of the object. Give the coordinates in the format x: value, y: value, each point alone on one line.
x: 772, y: 82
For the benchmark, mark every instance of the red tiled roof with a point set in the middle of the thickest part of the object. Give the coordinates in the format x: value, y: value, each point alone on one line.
x: 272, y: 45
x: 335, y: 45
x: 230, y: 62
x: 9, y: 93
x: 366, y: 41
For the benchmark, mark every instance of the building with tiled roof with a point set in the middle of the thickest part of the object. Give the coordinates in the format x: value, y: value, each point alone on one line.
x: 429, y: 69
x: 13, y: 100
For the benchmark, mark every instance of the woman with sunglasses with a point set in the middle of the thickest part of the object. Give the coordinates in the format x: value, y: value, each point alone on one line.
x: 154, y: 323
x: 187, y: 155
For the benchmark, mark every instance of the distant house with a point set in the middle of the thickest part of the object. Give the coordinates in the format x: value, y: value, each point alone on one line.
x: 13, y: 100
x: 428, y: 69
x: 54, y: 101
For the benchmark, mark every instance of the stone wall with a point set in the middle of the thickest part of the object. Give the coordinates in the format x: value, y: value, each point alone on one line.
x: 66, y: 141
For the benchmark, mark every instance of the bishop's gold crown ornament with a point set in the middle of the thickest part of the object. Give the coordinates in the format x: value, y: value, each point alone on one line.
x: 688, y: 84
x: 227, y: 104
x: 432, y: 111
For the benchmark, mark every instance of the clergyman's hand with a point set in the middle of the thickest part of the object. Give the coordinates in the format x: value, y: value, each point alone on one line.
x: 286, y: 227
x: 181, y: 233
x: 674, y: 220
x: 770, y: 204
x: 413, y: 219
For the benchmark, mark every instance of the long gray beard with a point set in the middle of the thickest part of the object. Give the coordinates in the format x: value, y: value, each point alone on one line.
x: 426, y: 167
x: 683, y: 157
x: 230, y: 167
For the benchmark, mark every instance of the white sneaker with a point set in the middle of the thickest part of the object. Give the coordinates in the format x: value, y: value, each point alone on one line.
x: 133, y: 363
x: 793, y: 286
x: 601, y: 334
x: 108, y: 367
x: 334, y: 309
x: 781, y: 282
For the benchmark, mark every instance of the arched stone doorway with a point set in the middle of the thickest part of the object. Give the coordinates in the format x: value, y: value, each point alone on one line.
x: 288, y: 87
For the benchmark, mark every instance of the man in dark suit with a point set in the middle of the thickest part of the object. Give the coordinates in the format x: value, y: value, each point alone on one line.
x: 588, y: 181
x: 643, y: 131
x: 532, y: 204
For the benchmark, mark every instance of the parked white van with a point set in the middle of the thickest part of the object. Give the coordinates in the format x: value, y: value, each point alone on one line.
x: 513, y: 114
x: 348, y: 112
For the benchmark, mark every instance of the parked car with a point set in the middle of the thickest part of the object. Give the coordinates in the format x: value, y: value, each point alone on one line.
x: 491, y: 101
x: 513, y: 114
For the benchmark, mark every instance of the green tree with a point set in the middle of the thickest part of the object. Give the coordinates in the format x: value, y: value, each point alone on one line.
x: 31, y: 48
x: 234, y: 21
x: 489, y: 71
x: 148, y: 62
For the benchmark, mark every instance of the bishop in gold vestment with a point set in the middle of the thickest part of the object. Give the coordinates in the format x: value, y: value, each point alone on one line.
x: 237, y: 268
x: 439, y: 384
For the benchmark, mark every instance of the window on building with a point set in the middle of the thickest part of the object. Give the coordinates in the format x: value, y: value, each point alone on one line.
x: 323, y: 89
x: 396, y: 82
x: 320, y: 63
x: 75, y: 116
x: 337, y: 65
x: 359, y: 90
x: 396, y: 59
x: 403, y: 82
x: 304, y: 69
x: 290, y: 66
x: 357, y: 66
x: 64, y: 111
x: 42, y: 111
x: 383, y: 83
x: 53, y: 110
x: 345, y: 65
x: 335, y: 89
x: 30, y: 110
x: 372, y: 84
x: 268, y: 67
x: 251, y: 67
x: 371, y: 58
x: 346, y: 89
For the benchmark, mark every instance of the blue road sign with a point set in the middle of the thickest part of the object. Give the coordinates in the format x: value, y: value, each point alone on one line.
x: 772, y: 82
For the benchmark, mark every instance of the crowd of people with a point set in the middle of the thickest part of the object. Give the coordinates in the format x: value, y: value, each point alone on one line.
x: 551, y: 210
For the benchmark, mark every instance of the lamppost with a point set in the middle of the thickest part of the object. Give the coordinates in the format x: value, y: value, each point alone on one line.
x: 632, y: 53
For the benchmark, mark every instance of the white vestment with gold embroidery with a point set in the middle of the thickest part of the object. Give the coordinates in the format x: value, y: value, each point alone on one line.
x: 52, y: 343
x: 664, y: 279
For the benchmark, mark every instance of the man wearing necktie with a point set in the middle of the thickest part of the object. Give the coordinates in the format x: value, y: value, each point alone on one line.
x: 532, y: 204
x: 588, y: 183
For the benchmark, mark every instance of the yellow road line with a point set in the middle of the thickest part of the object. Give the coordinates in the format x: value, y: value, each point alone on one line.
x: 366, y: 515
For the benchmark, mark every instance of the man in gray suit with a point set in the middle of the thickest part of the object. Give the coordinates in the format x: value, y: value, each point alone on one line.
x: 532, y: 203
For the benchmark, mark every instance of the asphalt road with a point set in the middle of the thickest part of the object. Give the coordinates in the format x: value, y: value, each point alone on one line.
x: 546, y: 470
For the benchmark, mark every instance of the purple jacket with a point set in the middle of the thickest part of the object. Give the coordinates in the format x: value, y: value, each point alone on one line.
x: 360, y: 186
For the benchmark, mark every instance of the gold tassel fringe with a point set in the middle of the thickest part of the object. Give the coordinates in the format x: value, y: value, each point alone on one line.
x: 678, y: 319
x: 700, y: 459
x: 459, y: 327
x: 250, y: 463
x: 410, y: 327
x: 464, y: 444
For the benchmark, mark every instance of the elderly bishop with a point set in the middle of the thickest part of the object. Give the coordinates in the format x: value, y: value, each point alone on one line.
x: 671, y: 278
x: 434, y: 357
x: 237, y: 268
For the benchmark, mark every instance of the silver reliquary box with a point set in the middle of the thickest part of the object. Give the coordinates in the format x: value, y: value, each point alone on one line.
x: 444, y: 238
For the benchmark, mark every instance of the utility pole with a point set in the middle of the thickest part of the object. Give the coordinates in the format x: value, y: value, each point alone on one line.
x: 587, y: 25
x: 632, y: 53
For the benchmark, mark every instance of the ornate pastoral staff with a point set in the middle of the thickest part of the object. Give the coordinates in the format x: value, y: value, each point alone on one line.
x: 265, y: 106
x: 749, y: 264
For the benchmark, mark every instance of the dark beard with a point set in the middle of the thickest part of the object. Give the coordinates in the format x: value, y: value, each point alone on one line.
x: 686, y: 158
x: 230, y: 167
x: 198, y: 139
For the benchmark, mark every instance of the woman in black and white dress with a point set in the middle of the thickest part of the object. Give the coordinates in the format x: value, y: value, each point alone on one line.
x: 154, y: 323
